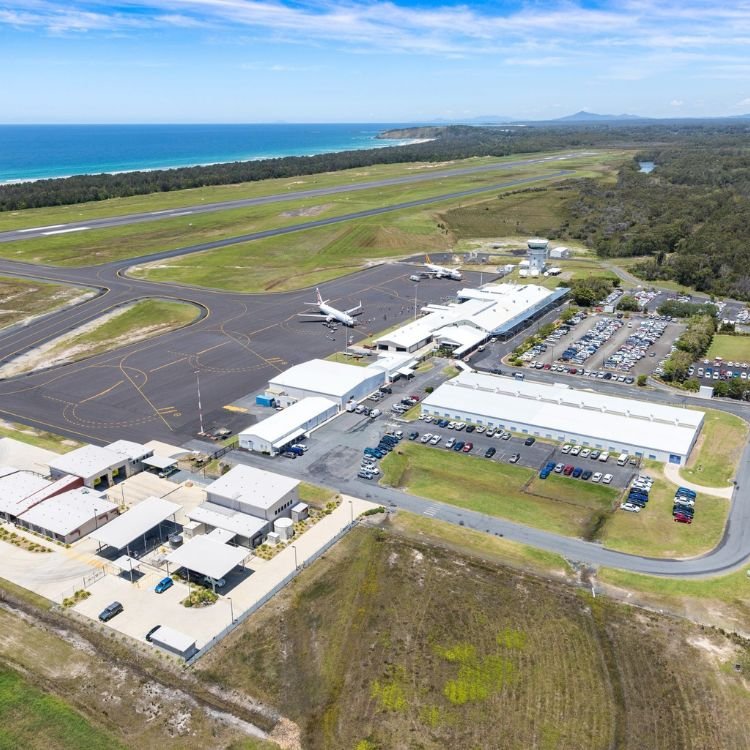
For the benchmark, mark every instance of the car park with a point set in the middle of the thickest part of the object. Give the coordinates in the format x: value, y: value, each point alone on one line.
x: 110, y: 611
x: 163, y: 585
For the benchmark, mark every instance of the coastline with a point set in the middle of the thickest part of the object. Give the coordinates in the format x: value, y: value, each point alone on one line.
x: 376, y: 143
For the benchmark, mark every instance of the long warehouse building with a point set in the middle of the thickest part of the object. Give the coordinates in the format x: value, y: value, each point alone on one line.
x: 610, y: 423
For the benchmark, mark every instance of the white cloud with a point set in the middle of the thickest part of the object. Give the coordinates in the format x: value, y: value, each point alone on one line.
x: 743, y: 104
x: 676, y: 103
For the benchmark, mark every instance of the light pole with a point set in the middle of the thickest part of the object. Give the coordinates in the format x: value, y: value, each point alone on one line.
x: 351, y: 511
x: 415, y: 301
x: 200, y: 408
x: 231, y: 609
x: 295, y: 557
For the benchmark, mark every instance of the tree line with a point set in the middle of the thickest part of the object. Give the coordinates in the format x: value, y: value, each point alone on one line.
x: 450, y: 142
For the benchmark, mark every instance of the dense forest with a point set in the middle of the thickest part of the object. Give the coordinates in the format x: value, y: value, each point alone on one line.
x: 689, y: 219
x: 450, y: 142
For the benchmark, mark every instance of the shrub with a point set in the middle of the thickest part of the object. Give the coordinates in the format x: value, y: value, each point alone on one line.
x: 642, y: 380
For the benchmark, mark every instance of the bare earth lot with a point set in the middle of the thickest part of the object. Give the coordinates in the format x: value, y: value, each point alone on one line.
x: 392, y: 644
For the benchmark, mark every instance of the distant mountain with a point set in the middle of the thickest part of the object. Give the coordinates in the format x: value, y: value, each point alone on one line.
x: 479, y: 120
x: 584, y: 116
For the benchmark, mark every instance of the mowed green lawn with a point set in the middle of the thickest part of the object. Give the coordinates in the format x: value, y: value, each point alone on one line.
x: 713, y: 462
x: 654, y: 533
x: 730, y: 348
x: 31, y: 719
x: 558, y: 504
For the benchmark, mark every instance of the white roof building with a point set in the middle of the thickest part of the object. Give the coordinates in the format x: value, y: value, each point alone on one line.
x: 494, y: 309
x: 319, y: 377
x: 131, y: 451
x: 220, y: 517
x: 282, y: 427
x: 556, y: 412
x: 70, y: 515
x: 19, y: 490
x: 136, y: 522
x: 86, y: 461
x: 264, y: 487
x: 208, y: 557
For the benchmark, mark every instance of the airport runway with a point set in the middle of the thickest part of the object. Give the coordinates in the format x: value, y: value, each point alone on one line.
x: 204, y: 208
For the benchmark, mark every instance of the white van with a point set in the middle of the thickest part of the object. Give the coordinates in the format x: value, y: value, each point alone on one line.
x: 623, y: 459
x: 604, y: 457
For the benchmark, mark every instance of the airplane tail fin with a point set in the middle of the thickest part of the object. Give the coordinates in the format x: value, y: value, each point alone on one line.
x: 427, y: 258
x: 320, y: 299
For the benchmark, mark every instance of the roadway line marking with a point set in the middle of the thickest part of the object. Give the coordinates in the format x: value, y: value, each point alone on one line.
x: 39, y: 229
x: 181, y: 213
x: 168, y: 364
x: 65, y: 231
x: 229, y: 407
x: 102, y: 393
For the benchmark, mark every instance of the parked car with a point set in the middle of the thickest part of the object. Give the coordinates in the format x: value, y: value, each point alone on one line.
x: 585, y: 453
x: 575, y: 450
x: 450, y: 443
x: 566, y: 448
x: 568, y: 470
x: 362, y: 474
x: 218, y: 583
x: 468, y: 447
x: 559, y: 468
x: 593, y: 455
x: 529, y: 441
x: 506, y: 436
x: 426, y: 437
x: 110, y: 611
x: 577, y: 472
x: 435, y: 440
x: 597, y: 477
x: 586, y: 475
x: 490, y: 452
x: 607, y: 479
x: 163, y: 585
x: 459, y: 446
x: 631, y: 507
x: 470, y: 428
x: 413, y: 435
x: 514, y: 458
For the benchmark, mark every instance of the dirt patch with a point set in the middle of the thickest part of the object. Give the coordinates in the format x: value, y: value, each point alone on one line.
x: 309, y: 211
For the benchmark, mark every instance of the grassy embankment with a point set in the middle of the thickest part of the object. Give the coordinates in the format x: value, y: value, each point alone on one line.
x: 388, y: 643
x: 21, y: 299
x: 142, y: 320
x: 39, y: 438
x: 557, y: 504
x: 713, y: 461
x: 730, y: 348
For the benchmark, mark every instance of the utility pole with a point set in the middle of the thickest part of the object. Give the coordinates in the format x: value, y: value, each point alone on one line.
x: 200, y: 408
x: 415, y: 301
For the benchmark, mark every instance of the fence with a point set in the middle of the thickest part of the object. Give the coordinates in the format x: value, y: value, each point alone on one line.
x: 86, y: 581
x: 268, y: 595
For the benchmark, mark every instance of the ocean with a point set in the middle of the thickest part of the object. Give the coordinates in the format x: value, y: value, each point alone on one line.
x: 32, y: 152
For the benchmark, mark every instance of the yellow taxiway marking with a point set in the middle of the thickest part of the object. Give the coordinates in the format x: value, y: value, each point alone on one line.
x: 229, y: 407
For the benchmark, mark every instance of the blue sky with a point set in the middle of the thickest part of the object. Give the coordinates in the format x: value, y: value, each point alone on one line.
x: 352, y: 61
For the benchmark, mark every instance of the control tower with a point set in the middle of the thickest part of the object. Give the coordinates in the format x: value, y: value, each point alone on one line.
x: 538, y: 250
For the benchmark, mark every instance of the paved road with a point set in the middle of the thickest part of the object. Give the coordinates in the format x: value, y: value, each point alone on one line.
x: 204, y: 208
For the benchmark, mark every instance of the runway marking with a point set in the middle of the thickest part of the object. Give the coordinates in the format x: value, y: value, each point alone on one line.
x: 66, y: 231
x: 103, y: 393
x: 145, y: 397
x: 39, y: 229
x: 168, y: 364
x: 168, y: 410
x: 229, y: 407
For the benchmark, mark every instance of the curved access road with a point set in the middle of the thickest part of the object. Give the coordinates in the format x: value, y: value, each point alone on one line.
x: 205, y: 208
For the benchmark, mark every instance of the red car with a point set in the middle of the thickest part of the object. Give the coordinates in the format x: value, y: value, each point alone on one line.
x: 468, y: 447
x: 414, y: 397
x: 682, y: 518
x: 568, y: 470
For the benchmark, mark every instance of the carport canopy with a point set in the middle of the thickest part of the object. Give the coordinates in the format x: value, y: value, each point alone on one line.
x: 160, y: 462
x: 126, y: 563
x: 135, y: 523
x: 288, y: 439
x: 208, y: 557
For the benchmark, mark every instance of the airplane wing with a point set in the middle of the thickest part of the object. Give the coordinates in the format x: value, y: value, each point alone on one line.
x: 314, y: 316
x: 355, y: 310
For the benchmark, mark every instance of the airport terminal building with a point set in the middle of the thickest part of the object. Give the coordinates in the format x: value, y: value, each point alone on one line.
x: 494, y: 310
x: 556, y: 412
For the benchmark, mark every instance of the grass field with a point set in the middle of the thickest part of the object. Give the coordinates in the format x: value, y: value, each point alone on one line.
x: 713, y: 461
x: 103, y: 245
x: 390, y: 644
x: 218, y: 193
x: 514, y: 492
x: 653, y: 532
x: 58, y: 692
x: 39, y: 438
x: 30, y: 719
x: 730, y: 348
x: 21, y: 299
x: 127, y: 325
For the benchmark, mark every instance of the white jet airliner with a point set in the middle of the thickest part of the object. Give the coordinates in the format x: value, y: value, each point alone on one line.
x: 440, y: 272
x: 329, y: 314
